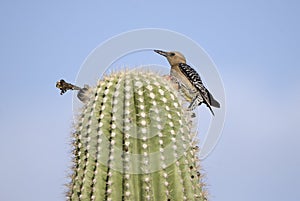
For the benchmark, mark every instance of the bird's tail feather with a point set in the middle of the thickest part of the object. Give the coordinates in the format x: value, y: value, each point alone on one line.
x: 213, y: 102
x: 211, y: 110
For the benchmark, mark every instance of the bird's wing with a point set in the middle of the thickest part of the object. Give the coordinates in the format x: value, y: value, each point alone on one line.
x: 190, y: 73
x: 195, y: 79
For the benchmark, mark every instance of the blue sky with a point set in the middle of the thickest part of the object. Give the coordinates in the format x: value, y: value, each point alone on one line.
x: 255, y: 45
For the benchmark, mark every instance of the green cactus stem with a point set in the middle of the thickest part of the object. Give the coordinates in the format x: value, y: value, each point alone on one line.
x: 133, y: 141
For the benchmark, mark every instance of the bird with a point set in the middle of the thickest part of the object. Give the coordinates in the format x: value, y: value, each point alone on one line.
x: 189, y: 81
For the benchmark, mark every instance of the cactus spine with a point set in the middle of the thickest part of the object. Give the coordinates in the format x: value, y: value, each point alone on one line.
x: 133, y: 141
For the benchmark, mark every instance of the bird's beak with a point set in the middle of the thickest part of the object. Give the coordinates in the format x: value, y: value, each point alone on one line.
x: 165, y: 54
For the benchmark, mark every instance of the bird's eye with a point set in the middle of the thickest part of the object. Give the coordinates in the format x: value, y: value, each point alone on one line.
x: 172, y: 54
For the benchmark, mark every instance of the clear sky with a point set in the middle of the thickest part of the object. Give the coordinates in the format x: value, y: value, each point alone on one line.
x: 255, y: 45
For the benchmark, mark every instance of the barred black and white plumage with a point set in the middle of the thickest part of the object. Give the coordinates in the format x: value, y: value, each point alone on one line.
x: 188, y: 79
x: 195, y: 79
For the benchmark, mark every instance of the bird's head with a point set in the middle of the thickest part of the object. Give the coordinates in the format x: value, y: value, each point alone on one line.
x: 173, y: 57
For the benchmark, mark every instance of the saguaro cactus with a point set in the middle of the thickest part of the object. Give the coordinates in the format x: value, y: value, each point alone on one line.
x: 134, y: 141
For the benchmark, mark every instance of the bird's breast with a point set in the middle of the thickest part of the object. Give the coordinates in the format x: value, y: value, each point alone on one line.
x: 181, y: 78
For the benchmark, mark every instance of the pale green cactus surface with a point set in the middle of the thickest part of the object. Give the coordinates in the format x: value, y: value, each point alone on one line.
x: 133, y: 141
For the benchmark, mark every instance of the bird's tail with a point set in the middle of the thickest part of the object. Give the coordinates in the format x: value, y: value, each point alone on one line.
x: 213, y: 102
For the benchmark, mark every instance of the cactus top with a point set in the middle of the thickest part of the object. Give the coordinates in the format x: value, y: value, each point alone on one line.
x: 134, y: 141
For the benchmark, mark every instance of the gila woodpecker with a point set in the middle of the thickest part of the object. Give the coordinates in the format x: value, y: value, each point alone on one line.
x: 189, y: 81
